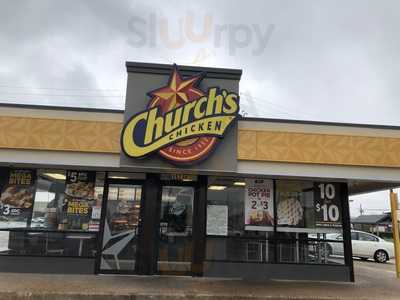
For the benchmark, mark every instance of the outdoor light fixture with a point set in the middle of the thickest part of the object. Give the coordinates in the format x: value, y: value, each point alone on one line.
x: 217, y: 187
x: 239, y: 183
x: 56, y: 176
x: 118, y: 177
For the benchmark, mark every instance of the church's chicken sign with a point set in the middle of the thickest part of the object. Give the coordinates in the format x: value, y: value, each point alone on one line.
x: 182, y: 122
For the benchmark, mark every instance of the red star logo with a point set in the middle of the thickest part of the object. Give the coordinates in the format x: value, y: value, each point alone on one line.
x: 178, y: 92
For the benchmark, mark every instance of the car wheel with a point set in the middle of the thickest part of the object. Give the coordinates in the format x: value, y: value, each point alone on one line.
x: 381, y: 256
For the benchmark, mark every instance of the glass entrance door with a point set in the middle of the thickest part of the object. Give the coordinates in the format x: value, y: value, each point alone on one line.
x: 121, y: 227
x: 175, y: 231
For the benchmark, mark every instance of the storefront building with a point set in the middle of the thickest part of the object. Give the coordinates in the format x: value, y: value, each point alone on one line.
x: 179, y: 183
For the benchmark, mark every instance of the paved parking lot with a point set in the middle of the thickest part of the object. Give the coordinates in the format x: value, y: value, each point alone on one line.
x: 370, y: 273
x: 388, y: 269
x: 373, y: 281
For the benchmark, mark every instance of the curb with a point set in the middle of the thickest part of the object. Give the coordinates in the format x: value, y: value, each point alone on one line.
x: 70, y: 296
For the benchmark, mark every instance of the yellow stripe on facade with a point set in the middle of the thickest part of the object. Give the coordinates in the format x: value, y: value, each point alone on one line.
x: 314, y: 148
x: 253, y: 145
x: 59, y: 135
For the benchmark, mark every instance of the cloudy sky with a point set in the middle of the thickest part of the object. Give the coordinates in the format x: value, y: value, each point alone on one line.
x: 318, y: 60
x: 371, y: 204
x: 314, y: 60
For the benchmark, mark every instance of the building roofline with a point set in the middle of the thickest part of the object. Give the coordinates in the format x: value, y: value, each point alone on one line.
x: 324, y: 123
x: 371, y: 219
x: 66, y: 108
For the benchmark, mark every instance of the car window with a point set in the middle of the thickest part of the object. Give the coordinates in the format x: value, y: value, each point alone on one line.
x: 367, y: 237
x: 354, y: 236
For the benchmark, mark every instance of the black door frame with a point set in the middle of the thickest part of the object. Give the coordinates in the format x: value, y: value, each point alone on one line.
x: 107, y: 182
x: 198, y: 222
x: 146, y: 256
x: 148, y: 233
x: 199, y: 230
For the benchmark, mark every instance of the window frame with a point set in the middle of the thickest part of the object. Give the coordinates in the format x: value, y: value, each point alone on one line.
x: 275, y: 239
x: 46, y: 231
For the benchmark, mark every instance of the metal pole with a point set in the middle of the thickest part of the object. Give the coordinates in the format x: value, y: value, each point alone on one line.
x: 347, y: 247
x: 395, y: 230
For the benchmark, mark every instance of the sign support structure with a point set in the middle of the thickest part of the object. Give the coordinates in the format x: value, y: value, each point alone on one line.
x: 395, y: 230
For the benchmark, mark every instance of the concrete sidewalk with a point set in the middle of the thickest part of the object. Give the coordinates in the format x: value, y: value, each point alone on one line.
x: 369, y: 285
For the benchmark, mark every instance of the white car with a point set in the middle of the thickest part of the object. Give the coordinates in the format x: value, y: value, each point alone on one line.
x: 365, y: 246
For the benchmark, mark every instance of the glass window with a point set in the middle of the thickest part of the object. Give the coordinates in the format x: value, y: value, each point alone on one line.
x: 45, y: 243
x: 68, y: 200
x: 298, y: 210
x: 175, y: 244
x: 52, y: 200
x: 242, y: 214
x: 229, y: 237
x: 354, y: 236
x: 295, y: 205
x: 366, y: 237
x: 120, y: 237
x: 226, y: 207
x: 339, y: 237
x: 49, y: 200
x: 123, y: 207
x: 302, y: 229
x: 50, y: 212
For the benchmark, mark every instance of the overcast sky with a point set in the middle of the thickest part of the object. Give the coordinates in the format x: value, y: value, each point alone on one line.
x: 313, y: 60
x: 319, y: 60
x: 371, y: 204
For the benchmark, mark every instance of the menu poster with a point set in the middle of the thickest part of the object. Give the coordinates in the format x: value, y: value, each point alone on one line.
x: 17, y: 196
x: 80, y: 185
x: 78, y: 214
x: 259, y: 204
x: 79, y: 198
x: 217, y: 220
x: 328, y: 204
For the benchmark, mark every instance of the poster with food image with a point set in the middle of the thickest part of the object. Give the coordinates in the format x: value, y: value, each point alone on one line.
x: 80, y: 185
x: 259, y: 204
x: 290, y: 211
x: 79, y: 199
x: 17, y: 196
x: 291, y: 197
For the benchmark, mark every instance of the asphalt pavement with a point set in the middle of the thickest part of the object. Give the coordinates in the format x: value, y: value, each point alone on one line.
x: 382, y: 277
x: 373, y: 281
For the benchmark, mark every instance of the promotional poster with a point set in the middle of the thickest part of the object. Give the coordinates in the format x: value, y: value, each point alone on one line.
x: 17, y: 196
x: 327, y: 205
x: 259, y: 205
x: 79, y: 198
